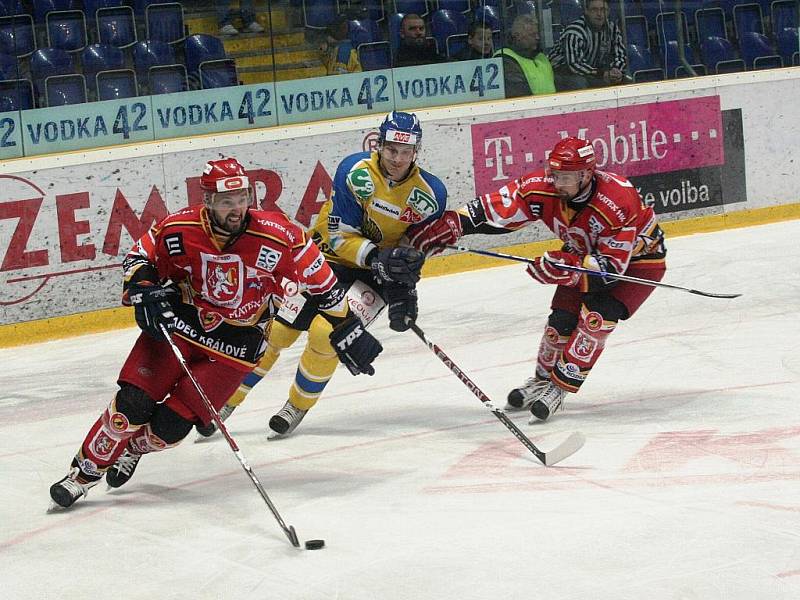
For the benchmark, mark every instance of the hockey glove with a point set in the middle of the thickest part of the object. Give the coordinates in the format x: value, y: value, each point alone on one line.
x: 152, y: 305
x: 544, y: 268
x: 355, y: 346
x: 398, y: 265
x: 427, y: 237
x: 402, y: 301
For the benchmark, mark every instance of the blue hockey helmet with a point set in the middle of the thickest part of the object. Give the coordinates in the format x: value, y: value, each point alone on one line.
x: 402, y: 128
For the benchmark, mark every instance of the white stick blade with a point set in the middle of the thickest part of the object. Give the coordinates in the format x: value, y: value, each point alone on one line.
x: 566, y: 449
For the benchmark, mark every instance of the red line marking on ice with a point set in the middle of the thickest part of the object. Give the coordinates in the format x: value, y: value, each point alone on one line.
x: 770, y: 505
x: 794, y: 573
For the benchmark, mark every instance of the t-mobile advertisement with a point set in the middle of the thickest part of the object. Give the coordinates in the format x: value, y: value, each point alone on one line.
x: 675, y: 152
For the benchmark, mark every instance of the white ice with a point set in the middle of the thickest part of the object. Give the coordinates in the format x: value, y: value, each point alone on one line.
x: 687, y: 487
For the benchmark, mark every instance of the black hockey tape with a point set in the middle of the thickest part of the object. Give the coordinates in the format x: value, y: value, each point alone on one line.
x: 315, y: 544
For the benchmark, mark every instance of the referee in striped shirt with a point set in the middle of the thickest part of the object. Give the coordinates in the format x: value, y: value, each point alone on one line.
x: 590, y: 52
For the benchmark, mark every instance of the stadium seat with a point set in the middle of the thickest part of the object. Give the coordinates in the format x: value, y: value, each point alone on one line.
x: 116, y: 84
x: 100, y: 57
x: 9, y: 69
x: 206, y: 58
x: 165, y: 22
x: 363, y: 31
x: 151, y: 53
x: 375, y: 55
x: 667, y: 28
x: 699, y: 71
x: 446, y: 23
x: 9, y: 8
x: 49, y: 62
x: 672, y: 60
x: 788, y: 44
x: 784, y: 15
x: 218, y: 73
x: 167, y: 79
x: 17, y: 36
x: 719, y: 56
x: 757, y: 51
x: 375, y: 10
x: 462, y: 6
x: 394, y: 30
x: 747, y: 17
x: 90, y: 7
x: 61, y: 90
x: 638, y: 34
x: 116, y: 26
x: 455, y: 44
x: 318, y: 14
x: 489, y: 16
x: 710, y: 22
x: 527, y: 7
x: 414, y: 7
x: 16, y: 94
x: 570, y: 10
x: 641, y: 64
x: 42, y: 7
x: 66, y: 30
x: 651, y: 8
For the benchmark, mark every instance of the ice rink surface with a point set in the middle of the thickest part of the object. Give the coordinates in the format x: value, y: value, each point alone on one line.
x: 688, y: 486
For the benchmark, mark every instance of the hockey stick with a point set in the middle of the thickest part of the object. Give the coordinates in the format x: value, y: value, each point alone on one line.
x: 288, y: 530
x: 567, y: 448
x: 627, y: 278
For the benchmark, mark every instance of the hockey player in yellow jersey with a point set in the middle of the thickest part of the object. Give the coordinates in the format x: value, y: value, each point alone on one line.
x: 376, y: 196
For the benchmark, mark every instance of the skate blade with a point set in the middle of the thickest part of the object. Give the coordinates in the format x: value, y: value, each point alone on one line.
x: 202, y: 438
x: 274, y: 435
x: 54, y: 508
x: 511, y: 409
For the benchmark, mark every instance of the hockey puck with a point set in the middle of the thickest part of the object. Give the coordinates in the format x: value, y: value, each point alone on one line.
x: 315, y: 544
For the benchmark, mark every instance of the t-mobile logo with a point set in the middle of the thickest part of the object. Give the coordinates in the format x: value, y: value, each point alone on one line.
x: 500, y: 158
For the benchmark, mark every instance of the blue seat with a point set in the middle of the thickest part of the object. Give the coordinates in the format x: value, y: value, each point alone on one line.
x: 394, y: 30
x: 672, y: 61
x: 788, y: 44
x: 455, y: 44
x: 757, y: 51
x: 632, y: 8
x: 642, y: 65
x: 375, y: 55
x: 9, y: 68
x: 489, y: 16
x: 218, y: 74
x: 667, y: 28
x: 90, y: 7
x: 167, y: 79
x: 164, y: 22
x: 747, y: 17
x: 16, y: 94
x: 61, y: 90
x: 318, y: 14
x: 719, y: 56
x: 49, y: 62
x: 42, y: 7
x: 413, y: 7
x: 638, y: 34
x: 710, y: 22
x: 116, y: 26
x: 375, y: 10
x: 570, y: 10
x: 784, y: 15
x: 462, y: 6
x: 66, y: 30
x: 100, y: 57
x: 9, y: 8
x: 151, y: 53
x: 526, y: 7
x: 446, y: 23
x: 363, y: 31
x: 206, y: 59
x: 116, y: 84
x: 651, y: 8
x: 17, y: 35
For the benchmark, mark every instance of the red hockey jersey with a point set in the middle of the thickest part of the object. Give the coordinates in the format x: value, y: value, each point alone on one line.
x: 229, y: 293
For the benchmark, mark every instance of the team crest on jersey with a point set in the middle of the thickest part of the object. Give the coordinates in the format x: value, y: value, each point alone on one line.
x: 209, y: 320
x: 102, y: 445
x: 119, y: 422
x: 422, y: 203
x: 361, y: 183
x: 268, y: 258
x: 223, y: 281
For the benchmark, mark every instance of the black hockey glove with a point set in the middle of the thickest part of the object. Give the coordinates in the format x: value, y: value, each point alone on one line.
x: 355, y: 346
x: 402, y: 302
x: 152, y: 305
x: 398, y: 265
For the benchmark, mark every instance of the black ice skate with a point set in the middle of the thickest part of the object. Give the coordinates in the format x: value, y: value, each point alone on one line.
x: 286, y: 421
x: 210, y: 429
x: 121, y: 471
x: 549, y: 400
x: 522, y: 397
x: 74, y: 486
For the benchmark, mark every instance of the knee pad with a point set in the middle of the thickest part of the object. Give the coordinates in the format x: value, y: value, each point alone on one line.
x: 134, y: 404
x: 319, y: 337
x: 168, y: 425
x: 609, y: 307
x: 562, y: 321
x: 281, y: 336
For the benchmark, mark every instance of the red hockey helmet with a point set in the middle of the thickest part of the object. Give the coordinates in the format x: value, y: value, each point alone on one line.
x: 224, y: 175
x: 572, y: 154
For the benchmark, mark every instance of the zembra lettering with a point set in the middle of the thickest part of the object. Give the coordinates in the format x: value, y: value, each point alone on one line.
x: 483, y: 79
x: 67, y: 129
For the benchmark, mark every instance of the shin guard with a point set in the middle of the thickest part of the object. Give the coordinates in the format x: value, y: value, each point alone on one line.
x: 582, y: 350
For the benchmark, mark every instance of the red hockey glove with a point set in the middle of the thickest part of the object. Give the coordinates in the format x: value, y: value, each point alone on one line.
x: 543, y: 270
x: 443, y: 231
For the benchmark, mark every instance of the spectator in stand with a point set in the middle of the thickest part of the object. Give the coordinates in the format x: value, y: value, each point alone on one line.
x: 590, y: 52
x: 415, y: 48
x: 527, y: 70
x: 479, y: 42
x: 338, y: 54
x: 225, y: 16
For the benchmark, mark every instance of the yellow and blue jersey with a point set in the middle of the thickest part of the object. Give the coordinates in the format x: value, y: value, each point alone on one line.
x: 366, y: 210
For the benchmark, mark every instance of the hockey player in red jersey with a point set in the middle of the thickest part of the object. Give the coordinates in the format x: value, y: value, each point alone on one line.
x: 214, y: 276
x: 604, y: 225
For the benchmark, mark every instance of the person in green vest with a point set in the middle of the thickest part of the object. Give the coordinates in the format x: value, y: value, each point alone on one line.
x: 527, y: 70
